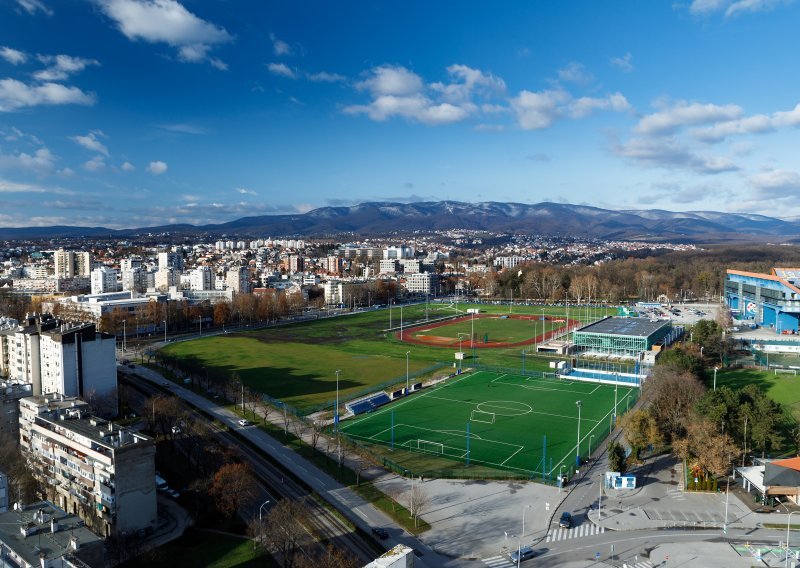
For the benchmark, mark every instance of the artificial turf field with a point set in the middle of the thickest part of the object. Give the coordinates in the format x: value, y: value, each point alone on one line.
x: 296, y: 363
x: 507, y: 417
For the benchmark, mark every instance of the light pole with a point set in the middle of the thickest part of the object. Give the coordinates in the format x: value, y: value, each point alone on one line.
x: 715, y: 378
x: 519, y: 546
x: 525, y: 508
x: 590, y: 444
x: 401, y: 322
x: 165, y: 331
x: 788, y: 521
x: 261, y: 508
x: 460, y: 352
x: 725, y: 524
x: 579, y: 404
x: 407, y: 391
x: 336, y: 410
x: 560, y: 479
x: 123, y: 336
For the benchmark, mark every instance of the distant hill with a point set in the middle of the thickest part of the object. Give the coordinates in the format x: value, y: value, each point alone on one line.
x: 370, y: 219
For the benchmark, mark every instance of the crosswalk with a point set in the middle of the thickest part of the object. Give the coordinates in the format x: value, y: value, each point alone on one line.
x: 586, y: 529
x: 501, y: 561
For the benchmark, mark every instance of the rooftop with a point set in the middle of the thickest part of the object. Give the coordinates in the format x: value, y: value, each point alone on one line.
x: 639, y: 327
x: 29, y: 533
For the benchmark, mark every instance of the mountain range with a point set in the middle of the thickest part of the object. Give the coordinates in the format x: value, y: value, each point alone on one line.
x: 554, y: 219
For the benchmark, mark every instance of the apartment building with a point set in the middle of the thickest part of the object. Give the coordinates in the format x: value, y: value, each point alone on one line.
x: 422, y: 283
x: 105, y: 279
x: 10, y: 395
x: 238, y: 279
x: 70, y: 264
x: 99, y: 471
x: 56, y: 357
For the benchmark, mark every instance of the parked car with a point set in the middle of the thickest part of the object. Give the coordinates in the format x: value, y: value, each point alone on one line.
x: 565, y: 522
x: 380, y: 533
x: 243, y: 422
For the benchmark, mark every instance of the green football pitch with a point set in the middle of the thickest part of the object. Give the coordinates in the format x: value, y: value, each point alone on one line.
x: 498, y: 420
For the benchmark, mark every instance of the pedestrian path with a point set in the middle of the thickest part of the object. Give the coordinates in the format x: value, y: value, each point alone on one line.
x: 586, y: 529
x: 499, y: 562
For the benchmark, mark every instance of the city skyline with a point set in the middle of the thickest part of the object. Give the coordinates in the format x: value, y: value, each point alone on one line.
x: 127, y: 113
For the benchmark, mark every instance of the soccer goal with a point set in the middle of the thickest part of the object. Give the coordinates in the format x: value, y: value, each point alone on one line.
x: 786, y: 371
x: 481, y: 416
x: 436, y: 448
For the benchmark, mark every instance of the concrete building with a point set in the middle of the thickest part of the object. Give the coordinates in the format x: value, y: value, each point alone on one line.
x: 170, y: 260
x: 134, y: 280
x: 238, y: 279
x: 201, y: 278
x: 388, y: 266
x: 55, y: 357
x: 410, y: 266
x: 769, y: 300
x: 625, y: 337
x: 166, y: 278
x: 71, y: 263
x: 101, y: 472
x: 41, y: 535
x: 10, y: 395
x: 295, y: 263
x: 3, y: 494
x: 105, y: 279
x: 422, y: 283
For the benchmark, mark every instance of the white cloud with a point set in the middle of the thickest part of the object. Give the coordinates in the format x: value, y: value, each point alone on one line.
x: 539, y: 110
x: 95, y: 164
x: 184, y: 128
x: 416, y: 107
x: 325, y: 77
x: 245, y: 191
x: 777, y: 183
x: 127, y: 167
x: 91, y: 142
x: 280, y: 47
x: 16, y: 94
x: 282, y: 70
x: 157, y: 167
x: 732, y: 7
x: 575, y: 72
x: 42, y: 161
x: 218, y: 63
x: 13, y: 56
x: 7, y: 186
x: 34, y: 6
x: 623, y: 63
x: 391, y: 80
x: 468, y: 82
x: 167, y: 21
x: 755, y: 124
x: 62, y: 66
x: 683, y: 114
x: 668, y: 152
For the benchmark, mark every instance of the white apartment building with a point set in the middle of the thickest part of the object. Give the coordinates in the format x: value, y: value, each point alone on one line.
x: 10, y: 394
x: 388, y: 266
x: 166, y: 278
x: 55, y: 357
x: 410, y: 265
x: 238, y: 279
x: 201, y: 278
x: 422, y: 283
x: 398, y: 252
x: 134, y: 280
x: 71, y: 263
x: 101, y: 472
x: 105, y: 279
x: 170, y: 260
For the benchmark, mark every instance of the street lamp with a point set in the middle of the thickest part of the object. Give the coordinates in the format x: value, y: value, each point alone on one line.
x: 407, y: 391
x: 788, y: 521
x: 336, y: 410
x: 519, y: 546
x: 525, y: 508
x: 725, y: 524
x: 715, y: 378
x: 590, y: 444
x: 560, y: 479
x: 123, y: 336
x: 265, y: 503
x: 579, y: 404
x: 165, y: 331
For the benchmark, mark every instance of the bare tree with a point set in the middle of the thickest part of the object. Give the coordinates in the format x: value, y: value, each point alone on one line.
x: 283, y: 531
x: 316, y: 432
x: 418, y: 501
x: 232, y: 486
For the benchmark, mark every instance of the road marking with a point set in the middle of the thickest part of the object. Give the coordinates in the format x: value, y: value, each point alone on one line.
x: 499, y: 562
x: 580, y: 531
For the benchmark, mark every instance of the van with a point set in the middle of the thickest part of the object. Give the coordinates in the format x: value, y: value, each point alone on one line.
x: 523, y: 553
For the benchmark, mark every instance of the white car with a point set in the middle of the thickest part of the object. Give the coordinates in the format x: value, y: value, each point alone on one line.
x: 243, y: 422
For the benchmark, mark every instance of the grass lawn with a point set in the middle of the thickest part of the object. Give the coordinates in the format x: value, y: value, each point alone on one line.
x: 206, y: 549
x: 781, y: 388
x: 497, y: 420
x: 296, y: 363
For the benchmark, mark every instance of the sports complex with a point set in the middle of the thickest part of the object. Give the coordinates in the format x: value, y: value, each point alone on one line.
x: 489, y: 403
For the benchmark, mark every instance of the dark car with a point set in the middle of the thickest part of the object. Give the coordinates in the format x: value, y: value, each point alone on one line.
x: 380, y: 533
x: 523, y: 554
x: 565, y: 522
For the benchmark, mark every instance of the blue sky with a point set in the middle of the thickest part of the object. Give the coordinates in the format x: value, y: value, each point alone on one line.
x: 128, y: 113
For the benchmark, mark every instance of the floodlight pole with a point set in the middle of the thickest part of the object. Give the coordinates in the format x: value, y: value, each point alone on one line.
x: 336, y: 410
x: 579, y: 404
x: 407, y: 391
x: 401, y: 322
x: 525, y: 508
x: 788, y: 520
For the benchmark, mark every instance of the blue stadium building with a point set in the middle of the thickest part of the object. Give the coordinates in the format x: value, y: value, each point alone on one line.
x: 769, y: 300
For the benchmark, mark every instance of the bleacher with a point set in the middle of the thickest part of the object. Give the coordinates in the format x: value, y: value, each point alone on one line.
x: 368, y: 403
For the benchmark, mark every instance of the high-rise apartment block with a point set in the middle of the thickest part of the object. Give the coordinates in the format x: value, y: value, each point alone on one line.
x: 100, y: 471
x: 70, y: 264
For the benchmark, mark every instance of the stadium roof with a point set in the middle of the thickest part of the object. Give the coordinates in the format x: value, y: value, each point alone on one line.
x: 640, y: 327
